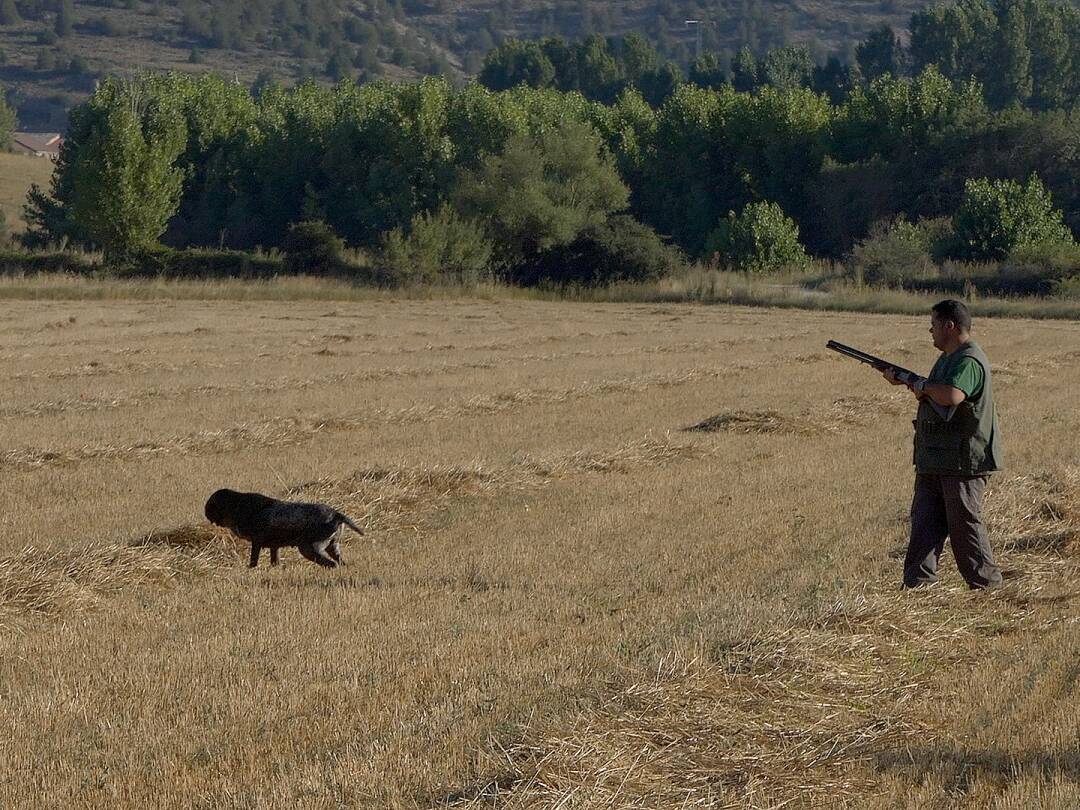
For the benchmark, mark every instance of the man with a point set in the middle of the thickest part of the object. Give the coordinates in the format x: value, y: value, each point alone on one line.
x: 956, y: 448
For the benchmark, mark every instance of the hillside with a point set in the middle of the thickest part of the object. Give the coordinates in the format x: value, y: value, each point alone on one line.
x: 52, y: 51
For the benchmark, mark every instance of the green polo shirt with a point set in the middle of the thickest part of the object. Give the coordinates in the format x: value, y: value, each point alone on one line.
x: 967, y: 375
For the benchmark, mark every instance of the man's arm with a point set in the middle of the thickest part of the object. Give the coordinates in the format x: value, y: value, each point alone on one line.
x: 943, y: 394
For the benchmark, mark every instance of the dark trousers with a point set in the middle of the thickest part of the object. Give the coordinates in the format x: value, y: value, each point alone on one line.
x: 949, y: 506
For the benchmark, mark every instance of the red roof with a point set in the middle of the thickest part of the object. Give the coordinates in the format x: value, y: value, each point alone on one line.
x: 40, y: 142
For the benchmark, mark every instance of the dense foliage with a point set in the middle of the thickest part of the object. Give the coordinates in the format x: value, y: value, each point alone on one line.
x: 403, y: 170
x: 996, y: 217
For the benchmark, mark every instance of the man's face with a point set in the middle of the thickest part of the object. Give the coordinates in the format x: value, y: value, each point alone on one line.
x: 940, y: 331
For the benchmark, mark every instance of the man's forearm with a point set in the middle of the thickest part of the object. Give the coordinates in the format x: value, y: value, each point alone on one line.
x: 941, y: 393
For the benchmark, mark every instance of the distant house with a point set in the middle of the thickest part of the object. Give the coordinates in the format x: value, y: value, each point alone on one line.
x: 42, y: 144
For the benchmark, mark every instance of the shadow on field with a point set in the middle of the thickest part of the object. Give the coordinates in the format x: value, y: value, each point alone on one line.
x: 960, y: 767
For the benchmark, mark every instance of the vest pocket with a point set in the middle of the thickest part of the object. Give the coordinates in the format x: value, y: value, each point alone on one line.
x: 945, y: 452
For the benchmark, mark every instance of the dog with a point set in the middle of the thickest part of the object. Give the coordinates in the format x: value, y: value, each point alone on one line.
x: 271, y: 523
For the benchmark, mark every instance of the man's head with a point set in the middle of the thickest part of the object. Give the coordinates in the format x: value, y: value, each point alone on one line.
x: 950, y: 323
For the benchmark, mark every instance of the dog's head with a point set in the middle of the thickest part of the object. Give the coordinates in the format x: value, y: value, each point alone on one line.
x: 223, y: 507
x: 234, y: 510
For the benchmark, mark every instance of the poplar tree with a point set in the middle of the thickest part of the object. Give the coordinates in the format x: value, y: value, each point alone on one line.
x: 124, y: 183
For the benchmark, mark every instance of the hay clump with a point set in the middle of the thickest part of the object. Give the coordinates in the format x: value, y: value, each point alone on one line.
x: 1036, y: 513
x: 768, y: 421
x: 41, y: 583
x: 644, y: 453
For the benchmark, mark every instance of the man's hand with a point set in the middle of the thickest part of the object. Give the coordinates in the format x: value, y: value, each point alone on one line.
x: 890, y: 375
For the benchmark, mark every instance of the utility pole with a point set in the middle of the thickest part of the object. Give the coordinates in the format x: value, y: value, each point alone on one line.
x: 697, y: 42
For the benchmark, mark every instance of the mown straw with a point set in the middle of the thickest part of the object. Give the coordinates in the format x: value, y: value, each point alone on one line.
x: 40, y: 583
x: 794, y: 715
x: 280, y: 432
x: 384, y: 500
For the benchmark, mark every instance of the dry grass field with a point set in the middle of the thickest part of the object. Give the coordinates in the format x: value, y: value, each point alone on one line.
x: 17, y: 173
x: 617, y: 556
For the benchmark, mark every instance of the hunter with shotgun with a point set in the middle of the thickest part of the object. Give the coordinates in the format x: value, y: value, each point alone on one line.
x: 957, y: 447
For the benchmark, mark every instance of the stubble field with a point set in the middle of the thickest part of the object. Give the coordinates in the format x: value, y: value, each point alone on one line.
x: 617, y: 556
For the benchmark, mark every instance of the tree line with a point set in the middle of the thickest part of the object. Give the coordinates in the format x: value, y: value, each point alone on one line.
x: 527, y: 178
x: 1022, y: 52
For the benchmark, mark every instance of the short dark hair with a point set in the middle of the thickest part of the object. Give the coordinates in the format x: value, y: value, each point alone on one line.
x: 955, y: 311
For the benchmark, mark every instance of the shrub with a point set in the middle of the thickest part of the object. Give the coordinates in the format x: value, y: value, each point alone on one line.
x: 1051, y: 260
x: 897, y: 251
x: 621, y: 249
x: 997, y: 217
x: 21, y: 263
x: 761, y: 238
x: 168, y: 263
x: 312, y: 248
x: 1068, y: 287
x: 442, y: 246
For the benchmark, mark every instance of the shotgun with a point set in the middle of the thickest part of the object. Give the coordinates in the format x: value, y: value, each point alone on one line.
x: 906, y: 376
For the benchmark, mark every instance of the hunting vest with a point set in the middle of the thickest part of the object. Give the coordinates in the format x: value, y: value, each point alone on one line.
x: 968, y: 443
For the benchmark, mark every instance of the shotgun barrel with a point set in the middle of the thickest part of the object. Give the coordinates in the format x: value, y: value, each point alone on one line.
x: 904, y: 375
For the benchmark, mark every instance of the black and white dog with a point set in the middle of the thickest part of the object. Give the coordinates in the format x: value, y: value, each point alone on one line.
x: 271, y: 523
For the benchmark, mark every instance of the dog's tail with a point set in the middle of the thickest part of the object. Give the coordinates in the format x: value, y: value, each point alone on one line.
x: 345, y: 521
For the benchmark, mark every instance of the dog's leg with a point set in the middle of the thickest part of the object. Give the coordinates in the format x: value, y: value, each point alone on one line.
x: 334, y: 550
x: 273, y: 555
x: 315, y: 553
x: 321, y: 557
x: 255, y: 549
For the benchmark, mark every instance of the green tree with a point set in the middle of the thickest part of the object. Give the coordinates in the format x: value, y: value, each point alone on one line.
x: 708, y: 71
x: 744, y: 70
x: 542, y: 191
x: 787, y: 68
x: 658, y: 85
x: 834, y: 79
x: 65, y: 17
x: 601, y: 76
x: 8, y: 121
x: 516, y: 62
x: 778, y: 140
x: 954, y: 38
x: 759, y: 239
x: 880, y: 53
x: 339, y: 65
x: 1052, y: 72
x: 1010, y: 81
x: 998, y: 216
x: 636, y: 55
x: 9, y: 13
x: 564, y: 58
x: 124, y: 184
x: 896, y: 117
x: 384, y: 157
